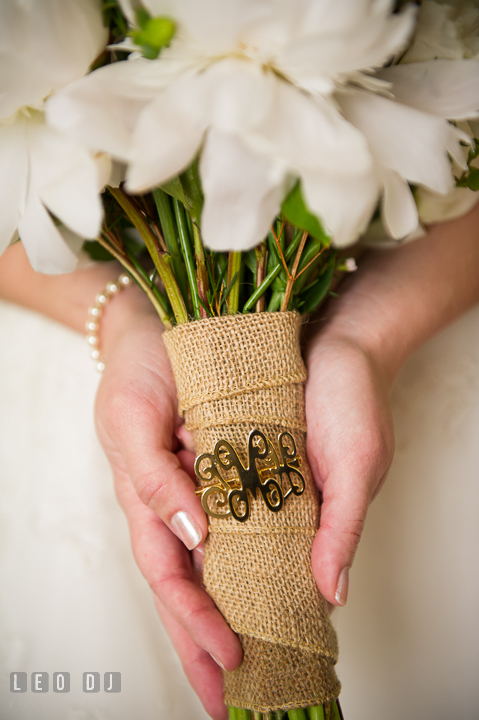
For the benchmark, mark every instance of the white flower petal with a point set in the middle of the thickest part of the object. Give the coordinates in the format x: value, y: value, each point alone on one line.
x: 59, y: 39
x: 213, y: 24
x: 243, y: 193
x: 13, y: 178
x: 443, y: 30
x: 448, y: 88
x: 310, y: 134
x: 398, y: 209
x: 167, y: 137
x: 433, y: 207
x: 128, y: 9
x: 345, y: 204
x: 101, y: 109
x: 402, y: 138
x: 44, y: 245
x: 376, y: 236
x: 232, y: 95
x: 368, y: 43
x: 65, y: 177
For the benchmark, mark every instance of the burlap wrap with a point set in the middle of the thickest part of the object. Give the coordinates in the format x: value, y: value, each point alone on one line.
x: 234, y: 374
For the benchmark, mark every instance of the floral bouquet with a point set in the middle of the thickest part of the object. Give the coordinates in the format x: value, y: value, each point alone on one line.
x: 225, y: 153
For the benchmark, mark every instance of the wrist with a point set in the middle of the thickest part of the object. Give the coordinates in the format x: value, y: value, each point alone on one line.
x: 346, y: 331
x: 128, y: 308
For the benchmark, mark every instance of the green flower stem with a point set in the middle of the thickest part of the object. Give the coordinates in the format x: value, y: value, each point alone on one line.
x: 187, y: 253
x: 201, y: 271
x: 165, y: 214
x: 276, y: 251
x: 311, y: 253
x: 162, y: 299
x: 257, y: 716
x: 272, y: 275
x: 294, y: 244
x: 316, y: 712
x: 292, y: 277
x: 242, y: 714
x: 336, y: 712
x: 297, y: 714
x: 275, y: 302
x: 260, y: 253
x: 231, y: 713
x: 145, y: 286
x: 234, y: 267
x: 164, y: 270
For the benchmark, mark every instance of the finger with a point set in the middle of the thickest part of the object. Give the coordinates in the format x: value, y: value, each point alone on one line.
x: 336, y: 542
x: 143, y: 433
x: 203, y: 673
x: 166, y: 565
x: 185, y: 437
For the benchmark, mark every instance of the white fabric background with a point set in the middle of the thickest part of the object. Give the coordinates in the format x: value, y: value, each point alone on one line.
x: 72, y: 599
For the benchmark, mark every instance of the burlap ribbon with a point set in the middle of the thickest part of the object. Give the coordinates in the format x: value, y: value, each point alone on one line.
x: 234, y: 374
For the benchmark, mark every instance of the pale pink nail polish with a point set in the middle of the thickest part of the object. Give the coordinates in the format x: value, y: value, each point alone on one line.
x: 186, y: 529
x: 341, y: 595
x: 218, y: 663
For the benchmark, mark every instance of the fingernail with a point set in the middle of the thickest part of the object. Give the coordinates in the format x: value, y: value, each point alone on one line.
x: 341, y: 596
x: 186, y: 529
x: 218, y: 663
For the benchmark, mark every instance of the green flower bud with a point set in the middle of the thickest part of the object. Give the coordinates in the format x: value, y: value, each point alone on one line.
x: 154, y: 33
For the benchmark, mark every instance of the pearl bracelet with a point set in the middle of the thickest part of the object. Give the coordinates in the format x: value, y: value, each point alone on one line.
x: 94, y: 314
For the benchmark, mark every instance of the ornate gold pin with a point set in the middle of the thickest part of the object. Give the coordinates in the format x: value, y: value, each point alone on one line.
x: 229, y: 492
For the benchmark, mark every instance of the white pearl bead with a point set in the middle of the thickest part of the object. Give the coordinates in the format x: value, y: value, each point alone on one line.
x: 112, y: 288
x: 95, y: 311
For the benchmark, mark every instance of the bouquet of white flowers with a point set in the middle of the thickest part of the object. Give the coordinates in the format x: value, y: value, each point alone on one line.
x: 225, y: 153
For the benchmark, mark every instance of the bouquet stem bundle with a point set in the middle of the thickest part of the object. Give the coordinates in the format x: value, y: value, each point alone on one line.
x: 233, y: 340
x: 237, y: 375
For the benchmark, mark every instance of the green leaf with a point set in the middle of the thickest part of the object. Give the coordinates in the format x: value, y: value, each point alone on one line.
x: 96, y: 251
x: 296, y: 211
x: 473, y: 179
x: 187, y: 189
x: 318, y: 292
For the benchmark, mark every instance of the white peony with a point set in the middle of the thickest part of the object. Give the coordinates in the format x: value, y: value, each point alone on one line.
x: 44, y: 45
x: 270, y: 91
x: 446, y: 29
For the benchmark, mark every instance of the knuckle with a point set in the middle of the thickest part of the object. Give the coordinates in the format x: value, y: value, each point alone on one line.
x: 376, y: 452
x: 151, y: 490
x: 348, y: 536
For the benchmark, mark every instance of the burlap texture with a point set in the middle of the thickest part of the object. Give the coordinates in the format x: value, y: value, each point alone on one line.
x: 234, y: 374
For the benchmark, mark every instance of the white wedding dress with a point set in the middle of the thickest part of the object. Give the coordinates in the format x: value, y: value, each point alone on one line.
x: 72, y: 600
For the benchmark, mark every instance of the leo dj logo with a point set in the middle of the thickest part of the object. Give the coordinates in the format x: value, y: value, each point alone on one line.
x: 40, y: 682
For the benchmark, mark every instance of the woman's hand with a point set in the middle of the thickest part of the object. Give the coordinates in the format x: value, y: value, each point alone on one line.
x: 136, y: 418
x: 350, y: 446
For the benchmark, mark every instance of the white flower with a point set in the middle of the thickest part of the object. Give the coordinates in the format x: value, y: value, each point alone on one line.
x: 430, y: 80
x: 446, y: 29
x: 45, y: 44
x: 271, y: 91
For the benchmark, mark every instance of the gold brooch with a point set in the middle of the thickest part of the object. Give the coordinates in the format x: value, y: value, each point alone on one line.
x: 229, y: 485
